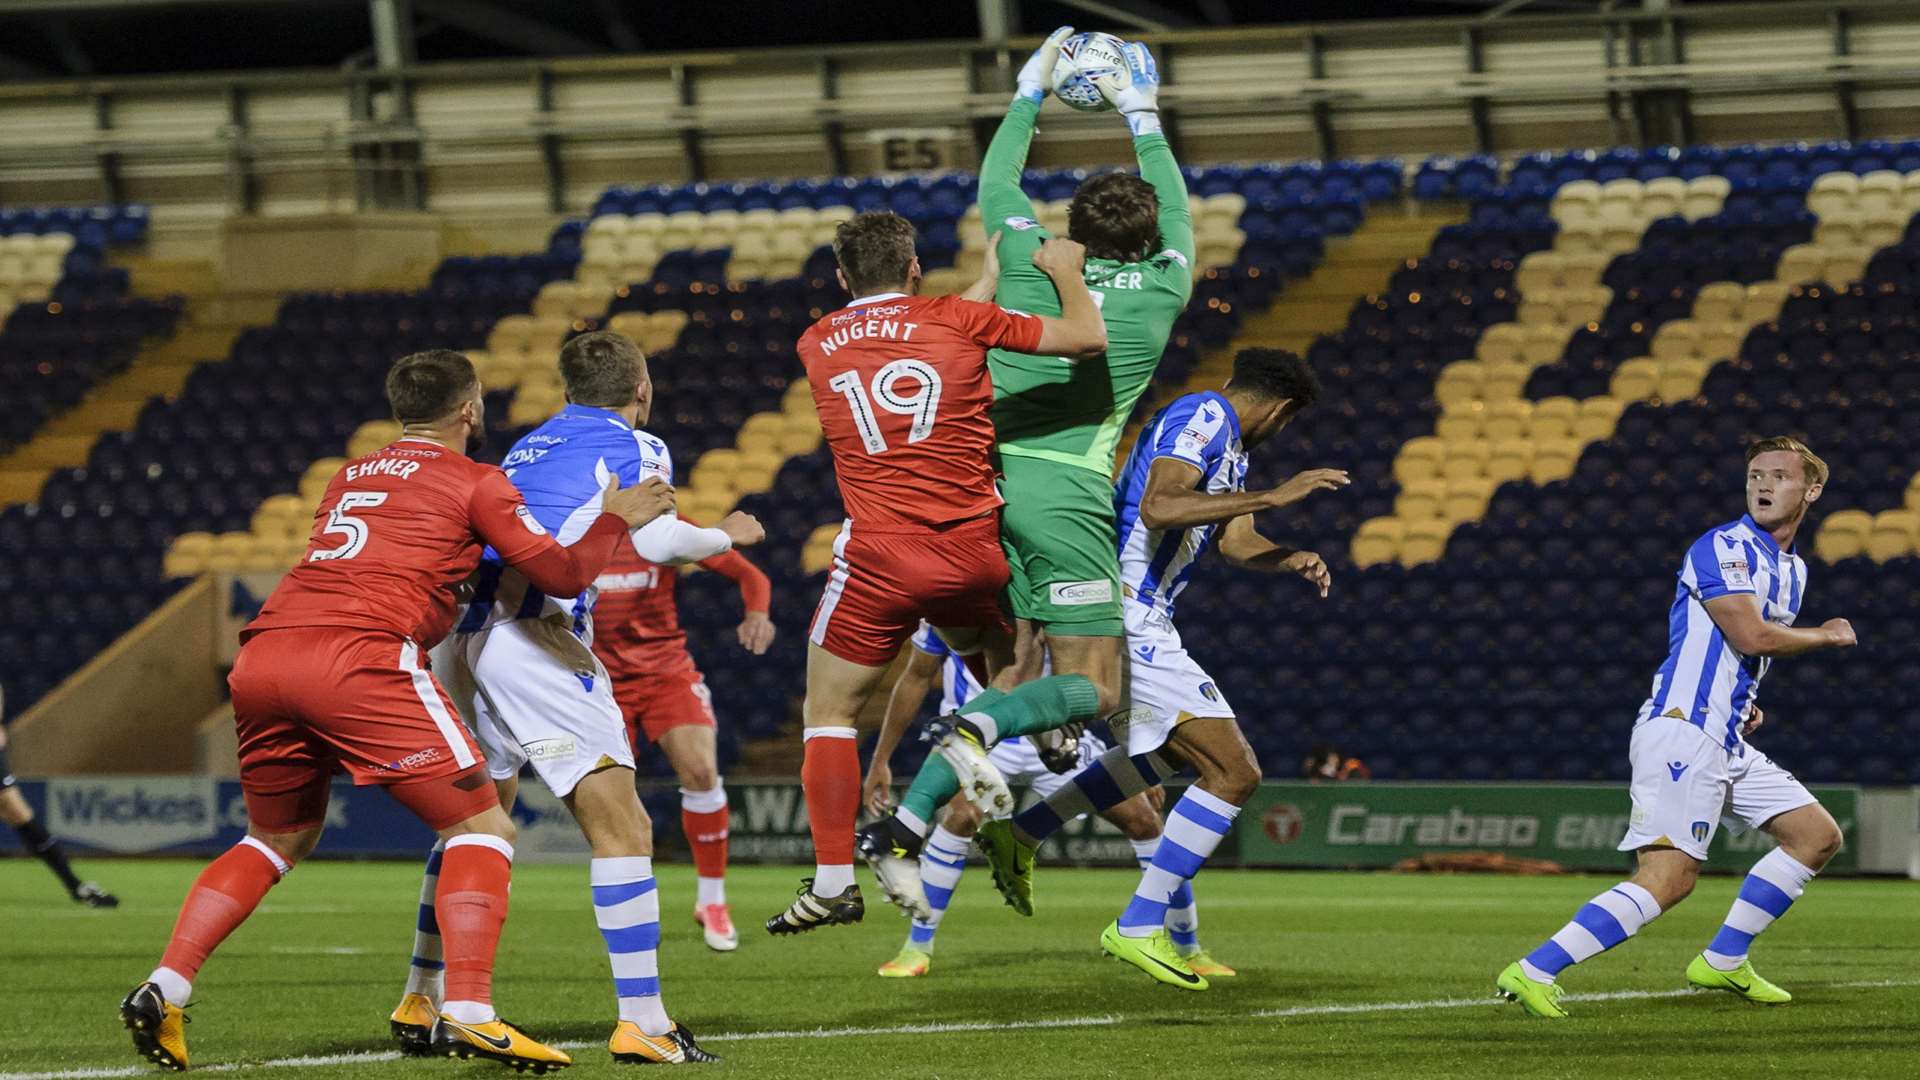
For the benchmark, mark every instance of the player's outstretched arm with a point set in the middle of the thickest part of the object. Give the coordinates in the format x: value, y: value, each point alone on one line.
x: 1006, y: 157
x: 1739, y: 619
x: 756, y: 595
x: 669, y: 541
x: 904, y: 704
x: 982, y: 289
x: 1079, y: 332
x: 1173, y: 500
x: 501, y: 518
x: 1242, y: 545
x: 1139, y: 105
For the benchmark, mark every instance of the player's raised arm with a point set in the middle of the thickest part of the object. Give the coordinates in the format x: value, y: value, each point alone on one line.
x: 909, y: 691
x: 1737, y: 614
x: 1006, y: 157
x: 756, y: 598
x: 501, y: 518
x: 1242, y: 545
x: 1173, y: 501
x: 1139, y: 104
x: 1079, y: 331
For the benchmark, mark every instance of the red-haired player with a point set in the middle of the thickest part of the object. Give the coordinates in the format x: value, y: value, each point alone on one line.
x: 664, y: 697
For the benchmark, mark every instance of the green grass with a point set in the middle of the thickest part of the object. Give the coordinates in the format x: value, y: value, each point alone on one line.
x: 1301, y: 941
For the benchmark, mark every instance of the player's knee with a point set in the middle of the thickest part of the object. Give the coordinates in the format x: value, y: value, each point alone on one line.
x: 1237, y: 777
x: 1136, y: 819
x: 290, y: 846
x: 1819, y: 844
x: 700, y: 776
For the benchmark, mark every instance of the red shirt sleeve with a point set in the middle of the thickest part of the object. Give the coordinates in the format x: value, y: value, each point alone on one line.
x: 501, y: 518
x: 997, y: 328
x: 756, y: 593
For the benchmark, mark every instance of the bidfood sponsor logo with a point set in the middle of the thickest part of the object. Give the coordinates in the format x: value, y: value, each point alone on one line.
x: 130, y: 814
x: 1355, y: 825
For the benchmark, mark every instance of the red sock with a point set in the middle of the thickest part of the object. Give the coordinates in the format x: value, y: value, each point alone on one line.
x: 224, y: 894
x: 707, y: 834
x: 830, y: 774
x: 471, y: 907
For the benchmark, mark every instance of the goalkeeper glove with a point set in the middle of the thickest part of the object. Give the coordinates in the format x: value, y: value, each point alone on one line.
x: 1139, y: 100
x: 1036, y: 77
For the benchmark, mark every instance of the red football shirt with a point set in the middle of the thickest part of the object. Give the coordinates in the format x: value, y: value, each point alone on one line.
x: 903, y: 393
x: 636, y: 623
x: 396, y: 532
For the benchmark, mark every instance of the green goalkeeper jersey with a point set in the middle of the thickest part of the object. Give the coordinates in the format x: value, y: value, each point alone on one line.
x: 1067, y: 411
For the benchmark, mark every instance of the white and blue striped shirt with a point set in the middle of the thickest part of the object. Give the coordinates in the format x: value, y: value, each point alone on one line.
x: 957, y: 684
x: 1704, y: 681
x: 1203, y: 431
x: 562, y: 467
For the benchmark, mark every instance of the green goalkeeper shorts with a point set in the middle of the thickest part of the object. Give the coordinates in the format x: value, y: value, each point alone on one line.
x: 1057, y: 529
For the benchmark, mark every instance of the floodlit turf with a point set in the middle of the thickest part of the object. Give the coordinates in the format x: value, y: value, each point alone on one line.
x: 316, y: 971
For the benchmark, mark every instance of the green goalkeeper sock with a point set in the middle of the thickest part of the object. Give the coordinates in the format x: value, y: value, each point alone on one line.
x: 1040, y: 705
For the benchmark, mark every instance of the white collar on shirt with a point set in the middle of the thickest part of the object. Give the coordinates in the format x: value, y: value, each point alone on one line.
x: 876, y: 298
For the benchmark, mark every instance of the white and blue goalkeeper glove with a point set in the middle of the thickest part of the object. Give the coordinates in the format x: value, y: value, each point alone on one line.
x: 1139, y: 100
x: 1036, y: 76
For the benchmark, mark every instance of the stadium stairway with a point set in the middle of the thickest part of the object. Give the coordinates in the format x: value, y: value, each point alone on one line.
x: 209, y: 321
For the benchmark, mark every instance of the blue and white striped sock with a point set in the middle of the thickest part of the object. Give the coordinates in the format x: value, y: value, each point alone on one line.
x: 942, y: 860
x: 425, y: 973
x: 1183, y: 918
x: 1771, y: 887
x: 626, y: 905
x: 1599, y: 925
x: 1199, y: 821
x: 1112, y: 778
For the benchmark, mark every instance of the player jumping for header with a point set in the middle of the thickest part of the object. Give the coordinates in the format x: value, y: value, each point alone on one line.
x: 1058, y: 419
x: 1182, y: 491
x: 1741, y: 587
x: 901, y: 385
x: 331, y: 675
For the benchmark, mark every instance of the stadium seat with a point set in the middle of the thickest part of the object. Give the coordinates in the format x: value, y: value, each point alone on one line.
x: 1895, y: 534
x: 1843, y: 535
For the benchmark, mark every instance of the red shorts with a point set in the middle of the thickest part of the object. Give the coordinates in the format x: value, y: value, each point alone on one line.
x: 652, y: 704
x: 884, y: 582
x: 313, y: 701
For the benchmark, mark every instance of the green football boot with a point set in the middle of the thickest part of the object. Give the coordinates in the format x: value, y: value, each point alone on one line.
x: 1742, y: 980
x: 1011, y: 861
x: 1538, y: 998
x: 1154, y: 955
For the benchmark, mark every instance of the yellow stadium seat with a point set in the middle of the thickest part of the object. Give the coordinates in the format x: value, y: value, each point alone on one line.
x: 1554, y: 460
x: 1581, y: 238
x: 1425, y: 541
x: 1896, y: 533
x: 1718, y: 301
x: 816, y: 558
x: 1505, y: 382
x: 630, y: 324
x: 1464, y: 459
x: 1802, y: 263
x: 1676, y: 340
x: 1620, y: 198
x: 313, y: 483
x: 1843, y: 535
x: 761, y: 441
x: 371, y: 436
x: 1883, y: 230
x: 797, y: 442
x: 1838, y: 229
x: 1879, y: 193
x: 1584, y: 304
x: 1541, y: 308
x: 1538, y: 271
x: 1913, y: 493
x: 1582, y: 267
x: 1680, y: 379
x: 1833, y: 194
x: 1373, y: 550
x: 1597, y: 418
x: 1458, y: 384
x: 1506, y: 419
x: 1467, y: 498
x: 1721, y: 340
x: 1846, y: 265
x: 1764, y: 300
x: 756, y: 476
x: 1390, y: 528
x: 1511, y: 459
x: 1419, y: 499
x: 1458, y: 424
x: 1636, y: 380
x: 1705, y: 197
x: 1576, y: 203
x: 1553, y: 418
x: 1662, y: 197
x: 184, y: 564
x: 236, y: 545
x: 1620, y: 237
x: 1501, y: 343
x: 1543, y: 344
x: 1418, y: 459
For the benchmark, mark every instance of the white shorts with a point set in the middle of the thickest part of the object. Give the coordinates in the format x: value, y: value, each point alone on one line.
x: 1019, y: 761
x: 1166, y: 685
x: 533, y: 692
x: 1685, y: 782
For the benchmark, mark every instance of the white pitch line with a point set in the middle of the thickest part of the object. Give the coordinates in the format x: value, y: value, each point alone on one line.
x: 941, y: 1029
x: 317, y: 950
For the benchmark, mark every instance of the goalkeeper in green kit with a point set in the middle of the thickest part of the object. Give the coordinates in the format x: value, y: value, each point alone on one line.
x: 1058, y: 423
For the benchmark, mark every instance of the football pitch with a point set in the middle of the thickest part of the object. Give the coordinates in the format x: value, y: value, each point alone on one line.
x: 1341, y: 974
